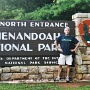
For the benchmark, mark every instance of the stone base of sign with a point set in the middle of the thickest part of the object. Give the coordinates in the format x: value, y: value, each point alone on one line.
x: 35, y: 73
x: 83, y: 53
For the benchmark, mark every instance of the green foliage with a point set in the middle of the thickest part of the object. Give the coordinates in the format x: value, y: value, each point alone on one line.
x: 27, y: 5
x: 16, y: 14
x: 42, y: 9
x: 60, y: 9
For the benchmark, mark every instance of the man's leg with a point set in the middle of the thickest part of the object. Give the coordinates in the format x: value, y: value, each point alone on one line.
x: 68, y: 70
x: 61, y: 61
x: 59, y: 73
x: 59, y: 70
x: 68, y: 73
x: 69, y: 63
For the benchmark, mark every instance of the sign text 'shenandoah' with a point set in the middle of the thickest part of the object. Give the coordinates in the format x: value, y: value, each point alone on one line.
x: 27, y: 36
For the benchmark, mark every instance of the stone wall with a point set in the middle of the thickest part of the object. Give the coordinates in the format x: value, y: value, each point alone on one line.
x: 36, y: 73
x: 83, y: 53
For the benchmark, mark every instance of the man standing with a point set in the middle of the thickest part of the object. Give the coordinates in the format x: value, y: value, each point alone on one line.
x: 66, y: 42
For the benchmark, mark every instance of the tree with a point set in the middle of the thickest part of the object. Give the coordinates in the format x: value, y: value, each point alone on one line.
x: 42, y: 9
x: 27, y: 5
x: 62, y: 10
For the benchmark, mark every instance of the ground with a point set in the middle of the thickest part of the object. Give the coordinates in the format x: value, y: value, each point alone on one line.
x: 61, y: 83
x: 72, y: 84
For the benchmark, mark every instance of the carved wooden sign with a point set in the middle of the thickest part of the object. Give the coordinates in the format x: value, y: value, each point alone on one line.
x: 84, y: 29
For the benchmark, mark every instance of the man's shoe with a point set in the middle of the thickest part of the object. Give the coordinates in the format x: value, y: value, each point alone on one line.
x: 57, y: 79
x: 67, y: 79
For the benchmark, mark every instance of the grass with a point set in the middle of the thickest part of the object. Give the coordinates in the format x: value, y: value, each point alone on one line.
x: 38, y: 87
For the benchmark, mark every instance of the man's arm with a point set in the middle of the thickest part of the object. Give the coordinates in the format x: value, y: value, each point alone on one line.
x: 56, y: 44
x: 58, y: 48
x: 75, y: 47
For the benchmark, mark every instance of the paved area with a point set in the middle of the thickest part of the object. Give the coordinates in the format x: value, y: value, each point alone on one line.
x: 62, y: 82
